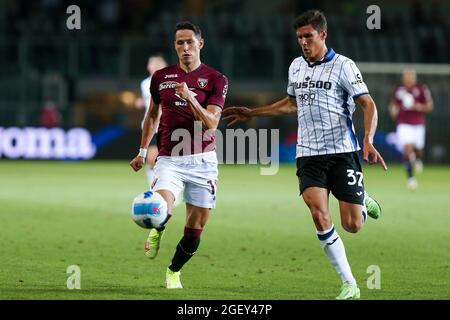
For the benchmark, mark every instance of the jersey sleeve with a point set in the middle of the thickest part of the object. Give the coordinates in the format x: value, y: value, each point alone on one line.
x: 219, y: 92
x: 351, y: 80
x: 427, y: 94
x: 290, y: 87
x: 144, y: 89
x: 154, y: 88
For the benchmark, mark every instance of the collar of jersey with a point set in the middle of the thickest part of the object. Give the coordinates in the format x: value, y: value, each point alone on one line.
x: 328, y: 57
x: 190, y: 72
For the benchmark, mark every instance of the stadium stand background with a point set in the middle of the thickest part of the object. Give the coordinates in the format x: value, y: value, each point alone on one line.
x: 92, y: 75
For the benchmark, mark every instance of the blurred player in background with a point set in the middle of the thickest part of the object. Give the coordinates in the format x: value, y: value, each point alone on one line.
x: 409, y: 104
x: 186, y: 97
x: 323, y: 87
x: 50, y: 115
x: 154, y: 63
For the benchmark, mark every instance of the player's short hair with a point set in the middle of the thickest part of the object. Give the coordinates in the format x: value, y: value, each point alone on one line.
x: 315, y: 18
x: 187, y: 25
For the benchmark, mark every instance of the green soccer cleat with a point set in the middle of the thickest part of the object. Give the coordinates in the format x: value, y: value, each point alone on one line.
x: 173, y: 279
x: 349, y: 292
x: 373, y: 208
x: 152, y: 244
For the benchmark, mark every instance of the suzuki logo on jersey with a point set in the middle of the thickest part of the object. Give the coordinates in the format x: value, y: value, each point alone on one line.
x: 307, y: 99
x: 183, y: 102
x: 202, y: 82
x: 311, y: 84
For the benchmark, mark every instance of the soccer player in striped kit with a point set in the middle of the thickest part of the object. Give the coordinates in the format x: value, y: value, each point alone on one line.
x: 324, y: 88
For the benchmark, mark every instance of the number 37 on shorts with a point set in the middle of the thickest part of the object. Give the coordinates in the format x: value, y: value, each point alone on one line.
x: 355, y: 177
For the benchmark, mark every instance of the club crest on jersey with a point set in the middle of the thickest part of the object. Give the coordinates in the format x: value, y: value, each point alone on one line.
x: 202, y: 82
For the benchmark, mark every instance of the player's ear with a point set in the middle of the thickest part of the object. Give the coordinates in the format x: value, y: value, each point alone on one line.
x: 323, y: 35
x: 201, y: 43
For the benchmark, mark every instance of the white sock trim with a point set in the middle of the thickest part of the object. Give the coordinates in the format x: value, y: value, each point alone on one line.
x: 325, y: 231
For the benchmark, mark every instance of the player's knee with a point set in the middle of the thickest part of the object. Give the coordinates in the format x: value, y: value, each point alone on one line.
x: 320, y: 216
x: 352, y: 226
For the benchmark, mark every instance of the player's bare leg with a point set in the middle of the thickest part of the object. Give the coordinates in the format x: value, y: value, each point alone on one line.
x: 418, y: 165
x: 409, y: 158
x: 353, y: 216
x: 153, y: 242
x: 317, y: 201
x: 152, y: 153
x: 196, y: 219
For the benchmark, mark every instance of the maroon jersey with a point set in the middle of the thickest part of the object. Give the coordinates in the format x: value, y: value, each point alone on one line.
x: 209, y: 87
x: 406, y: 98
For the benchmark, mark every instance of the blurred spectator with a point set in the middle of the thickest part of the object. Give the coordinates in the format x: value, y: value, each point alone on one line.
x: 50, y: 116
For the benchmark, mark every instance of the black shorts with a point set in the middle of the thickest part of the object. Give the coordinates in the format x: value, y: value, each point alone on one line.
x: 339, y: 173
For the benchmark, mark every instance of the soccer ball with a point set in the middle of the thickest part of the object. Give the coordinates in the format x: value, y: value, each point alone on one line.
x: 149, y: 210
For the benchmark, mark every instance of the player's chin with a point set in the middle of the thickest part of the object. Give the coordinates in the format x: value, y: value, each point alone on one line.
x: 186, y: 59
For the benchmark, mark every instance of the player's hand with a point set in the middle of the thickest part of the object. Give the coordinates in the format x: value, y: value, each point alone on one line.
x: 418, y: 107
x: 137, y: 163
x: 372, y: 156
x: 237, y: 114
x: 182, y: 90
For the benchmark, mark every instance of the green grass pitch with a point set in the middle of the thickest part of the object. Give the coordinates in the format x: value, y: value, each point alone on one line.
x: 260, y: 242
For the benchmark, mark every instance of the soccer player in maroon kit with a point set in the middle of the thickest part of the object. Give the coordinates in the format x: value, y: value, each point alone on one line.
x: 409, y: 104
x: 191, y: 96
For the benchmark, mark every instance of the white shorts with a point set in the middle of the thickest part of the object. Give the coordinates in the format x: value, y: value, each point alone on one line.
x: 411, y: 134
x: 197, y: 173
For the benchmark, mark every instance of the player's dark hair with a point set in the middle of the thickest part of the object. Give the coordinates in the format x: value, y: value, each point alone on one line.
x: 315, y: 18
x: 187, y: 25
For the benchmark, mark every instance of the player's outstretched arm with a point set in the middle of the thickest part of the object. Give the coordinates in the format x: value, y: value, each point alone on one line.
x: 243, y: 114
x: 393, y: 109
x: 370, y: 154
x: 151, y: 122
